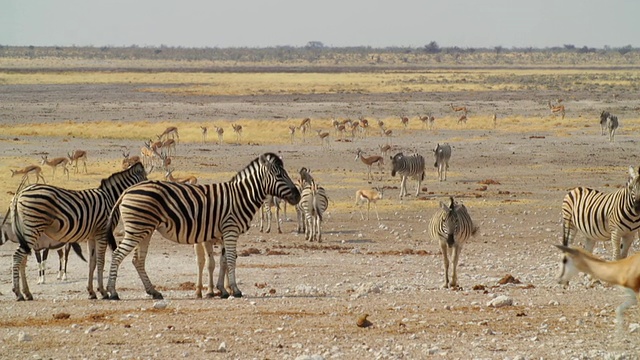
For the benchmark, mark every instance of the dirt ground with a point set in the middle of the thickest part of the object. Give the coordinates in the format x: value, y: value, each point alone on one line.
x: 302, y: 299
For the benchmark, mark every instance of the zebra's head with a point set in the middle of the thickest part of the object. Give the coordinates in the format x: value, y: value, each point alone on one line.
x: 603, y: 116
x: 449, y: 221
x: 633, y: 186
x: 395, y: 162
x: 277, y: 181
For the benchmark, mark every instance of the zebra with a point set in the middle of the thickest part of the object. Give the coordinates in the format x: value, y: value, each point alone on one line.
x: 7, y: 235
x: 266, y: 214
x: 304, y: 180
x: 451, y: 226
x: 408, y: 166
x: 67, y: 216
x: 603, y: 216
x: 313, y: 203
x: 442, y: 154
x: 604, y: 115
x: 192, y: 214
x: 612, y: 126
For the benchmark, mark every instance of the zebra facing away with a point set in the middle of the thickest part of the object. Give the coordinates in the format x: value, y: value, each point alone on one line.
x: 67, y: 216
x: 193, y: 214
x: 442, y: 154
x: 612, y: 126
x: 603, y: 216
x: 451, y: 226
x: 408, y: 166
x: 313, y: 203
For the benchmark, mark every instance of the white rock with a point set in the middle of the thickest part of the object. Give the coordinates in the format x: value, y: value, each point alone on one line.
x: 22, y: 336
x: 222, y: 347
x: 634, y: 327
x: 160, y: 305
x: 500, y: 301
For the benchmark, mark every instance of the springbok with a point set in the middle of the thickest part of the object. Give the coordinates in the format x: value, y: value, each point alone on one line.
x: 170, y: 131
x: 204, y: 133
x: 128, y: 161
x: 369, y: 196
x: 35, y: 169
x: 556, y: 109
x: 76, y: 156
x: 220, y: 132
x: 55, y: 163
x: 238, y: 130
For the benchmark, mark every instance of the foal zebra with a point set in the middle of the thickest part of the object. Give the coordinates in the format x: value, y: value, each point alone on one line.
x: 67, y: 216
x: 442, y: 153
x: 603, y: 216
x: 408, y: 166
x: 192, y: 214
x: 451, y: 226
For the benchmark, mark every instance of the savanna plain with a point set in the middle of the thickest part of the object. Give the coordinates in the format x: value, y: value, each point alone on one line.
x: 302, y: 299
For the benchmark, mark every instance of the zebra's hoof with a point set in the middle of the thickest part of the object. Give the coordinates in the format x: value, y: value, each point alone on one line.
x: 20, y: 298
x: 210, y: 295
x: 114, y: 297
x: 157, y: 296
x: 237, y: 294
x: 29, y: 297
x: 92, y: 296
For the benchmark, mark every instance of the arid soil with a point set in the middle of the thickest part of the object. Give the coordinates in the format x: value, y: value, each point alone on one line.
x: 303, y: 299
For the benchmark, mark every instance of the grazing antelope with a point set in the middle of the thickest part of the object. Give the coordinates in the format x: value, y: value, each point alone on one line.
x: 624, y: 272
x: 204, y: 130
x: 405, y: 121
x: 166, y: 161
x: 324, y: 138
x: 556, y: 109
x: 463, y: 119
x: 424, y: 120
x: 335, y: 123
x: 168, y: 147
x: 170, y: 131
x: 35, y: 169
x: 77, y: 155
x: 369, y: 161
x: 55, y: 163
x: 369, y: 196
x: 292, y: 132
x: 238, y: 130
x: 128, y: 161
x: 355, y: 125
x: 220, y: 132
x: 463, y: 109
x: 192, y: 180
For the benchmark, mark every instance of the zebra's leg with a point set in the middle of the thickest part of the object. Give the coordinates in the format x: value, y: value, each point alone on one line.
x: 627, y: 240
x: 124, y: 248
x: 277, y: 205
x: 100, y: 252
x: 615, y: 243
x: 40, y: 259
x: 457, y: 248
x: 211, y: 265
x: 267, y: 209
x: 63, y: 254
x: 18, y: 272
x: 262, y: 216
x: 200, y: 261
x: 139, y: 258
x: 229, y: 242
x: 403, y: 187
x: 418, y: 187
x: 223, y: 276
x: 445, y: 257
x: 93, y: 259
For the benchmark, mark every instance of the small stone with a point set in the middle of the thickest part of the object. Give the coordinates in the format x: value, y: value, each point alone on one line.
x: 222, y: 347
x: 159, y: 305
x: 500, y: 301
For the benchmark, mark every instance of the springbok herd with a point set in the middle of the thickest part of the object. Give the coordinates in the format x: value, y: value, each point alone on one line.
x: 598, y: 216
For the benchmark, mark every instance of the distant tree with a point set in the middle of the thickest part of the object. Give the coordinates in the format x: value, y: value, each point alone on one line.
x: 432, y: 48
x: 585, y: 50
x: 498, y: 49
x: 315, y: 45
x: 625, y: 49
x: 569, y: 47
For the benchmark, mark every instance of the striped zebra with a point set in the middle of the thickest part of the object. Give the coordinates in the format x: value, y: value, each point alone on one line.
x: 604, y: 115
x: 266, y: 213
x: 192, y: 214
x: 313, y: 203
x: 442, y: 154
x: 408, y: 166
x: 67, y: 216
x: 603, y: 216
x: 612, y: 126
x: 451, y: 226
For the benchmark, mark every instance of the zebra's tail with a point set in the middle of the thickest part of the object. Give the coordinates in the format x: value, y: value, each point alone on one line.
x: 17, y: 229
x: 114, y: 218
x: 78, y: 250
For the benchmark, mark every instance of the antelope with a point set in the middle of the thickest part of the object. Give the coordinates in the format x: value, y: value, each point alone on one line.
x: 624, y: 272
x: 166, y: 161
x: 192, y: 180
x: 324, y: 137
x: 168, y: 147
x: 369, y: 161
x: 305, y: 125
x: 458, y: 108
x: 170, y: 131
x: 238, y: 130
x: 204, y: 133
x: 463, y: 119
x: 559, y: 109
x: 292, y: 132
x: 388, y: 133
x: 405, y: 121
x: 494, y: 118
x: 427, y: 121
x: 364, y: 126
x: 35, y: 169
x: 381, y: 125
x: 55, y: 163
x: 148, y: 154
x: 384, y: 149
x: 369, y: 196
x: 77, y: 155
x: 335, y: 123
x: 220, y: 132
x: 355, y: 125
x: 128, y: 161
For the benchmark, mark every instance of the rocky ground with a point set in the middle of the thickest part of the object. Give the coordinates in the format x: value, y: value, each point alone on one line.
x: 302, y: 300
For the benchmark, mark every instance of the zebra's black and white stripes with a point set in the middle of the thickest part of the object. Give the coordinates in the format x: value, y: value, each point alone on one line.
x: 609, y: 124
x: 313, y: 203
x: 442, y: 154
x: 408, y: 166
x: 451, y: 226
x: 67, y: 216
x: 191, y: 214
x: 603, y: 216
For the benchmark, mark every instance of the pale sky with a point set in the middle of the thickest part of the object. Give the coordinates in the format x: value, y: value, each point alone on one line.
x: 375, y: 23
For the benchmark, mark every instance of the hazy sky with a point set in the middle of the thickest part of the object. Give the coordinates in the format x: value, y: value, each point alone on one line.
x: 262, y: 23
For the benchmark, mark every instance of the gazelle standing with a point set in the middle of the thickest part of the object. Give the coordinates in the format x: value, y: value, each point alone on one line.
x: 31, y: 169
x: 55, y: 163
x: 220, y: 132
x: 128, y: 161
x: 204, y: 131
x: 78, y: 155
x: 369, y: 196
x: 170, y: 131
x: 292, y: 132
x: 238, y: 130
x: 369, y: 161
x: 324, y: 138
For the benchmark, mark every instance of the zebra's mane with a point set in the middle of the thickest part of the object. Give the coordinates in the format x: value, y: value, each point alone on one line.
x: 108, y: 182
x: 255, y: 163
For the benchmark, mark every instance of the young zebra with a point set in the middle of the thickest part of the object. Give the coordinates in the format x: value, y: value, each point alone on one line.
x: 67, y: 216
x: 612, y: 126
x: 603, y: 216
x: 408, y: 166
x: 451, y: 226
x: 442, y: 154
x: 313, y: 203
x: 192, y: 214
